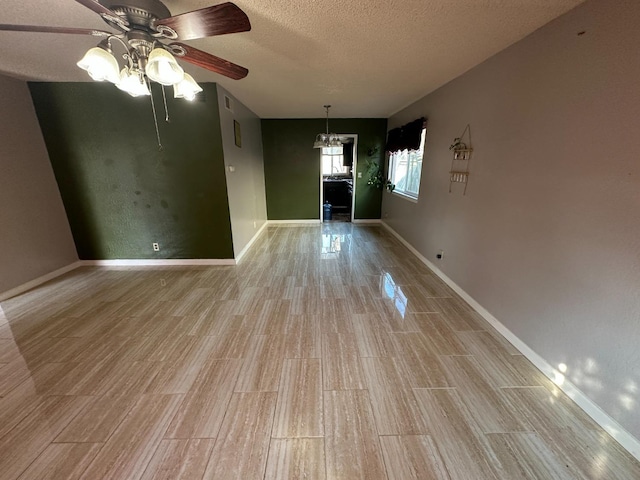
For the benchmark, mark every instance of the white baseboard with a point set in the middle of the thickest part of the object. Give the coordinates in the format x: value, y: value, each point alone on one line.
x: 251, y: 242
x: 157, y: 263
x: 38, y: 281
x: 366, y: 221
x: 611, y: 426
x: 294, y: 222
x: 371, y: 221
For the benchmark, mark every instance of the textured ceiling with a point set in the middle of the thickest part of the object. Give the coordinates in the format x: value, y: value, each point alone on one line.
x: 368, y: 58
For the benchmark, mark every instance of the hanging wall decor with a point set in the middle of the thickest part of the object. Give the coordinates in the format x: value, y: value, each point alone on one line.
x: 461, y: 148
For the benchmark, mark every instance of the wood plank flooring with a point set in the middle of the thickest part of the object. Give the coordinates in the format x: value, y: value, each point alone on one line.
x: 330, y: 352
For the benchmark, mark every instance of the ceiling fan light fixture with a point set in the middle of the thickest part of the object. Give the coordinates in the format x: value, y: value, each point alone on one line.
x: 163, y: 68
x: 133, y: 83
x: 187, y: 88
x: 100, y: 65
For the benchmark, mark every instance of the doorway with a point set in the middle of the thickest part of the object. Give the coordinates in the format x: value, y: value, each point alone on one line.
x: 338, y: 180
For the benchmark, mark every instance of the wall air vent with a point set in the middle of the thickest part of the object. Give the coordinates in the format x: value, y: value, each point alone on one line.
x: 228, y: 103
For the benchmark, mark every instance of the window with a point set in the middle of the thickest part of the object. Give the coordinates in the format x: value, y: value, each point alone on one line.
x: 405, y: 168
x: 332, y: 161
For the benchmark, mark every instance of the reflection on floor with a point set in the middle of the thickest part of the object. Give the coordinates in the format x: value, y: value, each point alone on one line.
x: 329, y: 352
x: 340, y: 217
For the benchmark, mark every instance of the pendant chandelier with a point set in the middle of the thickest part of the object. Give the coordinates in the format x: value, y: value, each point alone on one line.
x: 326, y: 140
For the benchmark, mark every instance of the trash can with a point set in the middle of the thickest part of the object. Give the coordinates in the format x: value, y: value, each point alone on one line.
x: 326, y: 211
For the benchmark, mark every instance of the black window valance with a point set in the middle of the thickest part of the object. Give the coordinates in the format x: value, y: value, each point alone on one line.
x: 406, y: 137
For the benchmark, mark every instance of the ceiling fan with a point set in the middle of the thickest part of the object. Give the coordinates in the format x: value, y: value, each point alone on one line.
x: 142, y: 27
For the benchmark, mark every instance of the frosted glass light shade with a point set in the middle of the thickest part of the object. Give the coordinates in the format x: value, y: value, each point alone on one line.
x: 187, y: 88
x: 334, y: 141
x: 132, y: 83
x: 163, y: 68
x: 100, y: 65
x: 320, y: 141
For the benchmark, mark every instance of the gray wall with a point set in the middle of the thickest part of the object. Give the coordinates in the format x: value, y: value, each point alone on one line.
x: 547, y: 238
x: 245, y: 185
x: 35, y: 238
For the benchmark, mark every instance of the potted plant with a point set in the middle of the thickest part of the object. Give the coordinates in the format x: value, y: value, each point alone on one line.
x: 374, y: 172
x: 460, y: 149
x: 458, y: 144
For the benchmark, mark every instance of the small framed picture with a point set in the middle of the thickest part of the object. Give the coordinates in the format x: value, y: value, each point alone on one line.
x: 237, y: 134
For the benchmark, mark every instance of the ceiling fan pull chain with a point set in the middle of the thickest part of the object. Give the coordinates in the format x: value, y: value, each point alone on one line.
x: 166, y: 110
x: 155, y: 119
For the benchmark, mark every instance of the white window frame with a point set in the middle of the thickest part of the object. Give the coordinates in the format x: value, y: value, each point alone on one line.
x: 414, y: 163
x: 337, y: 161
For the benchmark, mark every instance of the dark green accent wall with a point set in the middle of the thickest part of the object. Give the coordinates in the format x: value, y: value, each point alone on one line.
x: 292, y: 166
x: 121, y: 193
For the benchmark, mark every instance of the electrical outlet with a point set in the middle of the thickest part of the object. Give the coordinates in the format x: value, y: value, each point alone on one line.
x: 359, y: 174
x: 440, y: 254
x: 156, y: 247
x: 254, y: 224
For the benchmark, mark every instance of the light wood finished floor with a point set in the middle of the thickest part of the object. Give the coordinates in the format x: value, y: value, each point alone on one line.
x: 329, y: 352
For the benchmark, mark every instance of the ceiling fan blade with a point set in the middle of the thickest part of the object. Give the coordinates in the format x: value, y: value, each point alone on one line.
x: 41, y: 29
x: 211, y: 62
x: 208, y: 22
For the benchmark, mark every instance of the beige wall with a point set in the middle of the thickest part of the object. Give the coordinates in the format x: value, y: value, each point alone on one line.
x: 245, y: 185
x: 35, y: 238
x: 547, y: 238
